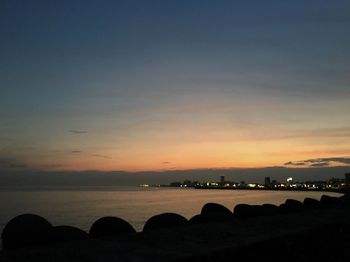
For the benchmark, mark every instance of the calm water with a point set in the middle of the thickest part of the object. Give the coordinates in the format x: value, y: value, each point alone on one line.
x: 82, y: 206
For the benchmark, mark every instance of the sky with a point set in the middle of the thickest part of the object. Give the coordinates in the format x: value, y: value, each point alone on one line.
x: 174, y: 85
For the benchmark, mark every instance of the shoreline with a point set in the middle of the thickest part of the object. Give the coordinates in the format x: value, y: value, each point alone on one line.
x: 340, y: 191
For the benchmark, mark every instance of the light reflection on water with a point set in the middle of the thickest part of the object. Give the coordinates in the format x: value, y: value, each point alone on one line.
x: 81, y: 206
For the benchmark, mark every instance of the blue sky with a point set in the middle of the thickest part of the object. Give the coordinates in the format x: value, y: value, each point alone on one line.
x: 193, y: 84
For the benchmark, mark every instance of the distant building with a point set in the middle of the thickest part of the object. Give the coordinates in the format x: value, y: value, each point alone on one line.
x: 267, y: 181
x: 222, y: 179
x: 347, y: 178
x: 175, y: 184
x: 289, y: 180
x: 187, y: 183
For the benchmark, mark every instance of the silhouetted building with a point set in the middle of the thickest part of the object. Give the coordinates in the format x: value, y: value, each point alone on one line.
x: 222, y: 179
x: 347, y: 178
x: 187, y: 183
x: 175, y: 184
x: 267, y: 181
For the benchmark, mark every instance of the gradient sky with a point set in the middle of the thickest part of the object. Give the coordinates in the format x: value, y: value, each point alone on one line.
x: 158, y: 85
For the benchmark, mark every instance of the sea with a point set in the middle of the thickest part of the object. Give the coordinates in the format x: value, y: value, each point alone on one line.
x: 81, y: 206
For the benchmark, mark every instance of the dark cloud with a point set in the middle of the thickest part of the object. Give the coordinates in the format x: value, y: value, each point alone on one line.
x: 290, y: 163
x: 320, y: 162
x: 74, y: 131
x: 166, y: 162
x: 47, y: 167
x: 343, y: 160
x: 101, y: 156
x: 76, y: 151
x: 11, y: 163
x: 274, y: 167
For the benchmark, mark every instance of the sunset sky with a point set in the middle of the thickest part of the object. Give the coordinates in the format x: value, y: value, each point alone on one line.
x: 167, y: 85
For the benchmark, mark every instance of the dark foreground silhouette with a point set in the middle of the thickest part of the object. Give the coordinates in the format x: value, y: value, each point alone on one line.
x: 109, y: 226
x: 26, y: 230
x: 166, y: 220
x: 294, y: 231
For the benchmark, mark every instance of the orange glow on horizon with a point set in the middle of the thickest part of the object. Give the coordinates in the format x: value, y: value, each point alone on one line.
x: 191, y: 156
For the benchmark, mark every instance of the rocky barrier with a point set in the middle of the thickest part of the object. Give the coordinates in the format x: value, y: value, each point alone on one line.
x: 293, y: 231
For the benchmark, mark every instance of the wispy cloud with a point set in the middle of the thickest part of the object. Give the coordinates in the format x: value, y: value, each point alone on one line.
x: 76, y: 151
x: 101, y: 156
x: 290, y: 163
x: 326, y: 132
x: 50, y: 166
x: 75, y: 131
x: 320, y: 162
x: 12, y: 163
